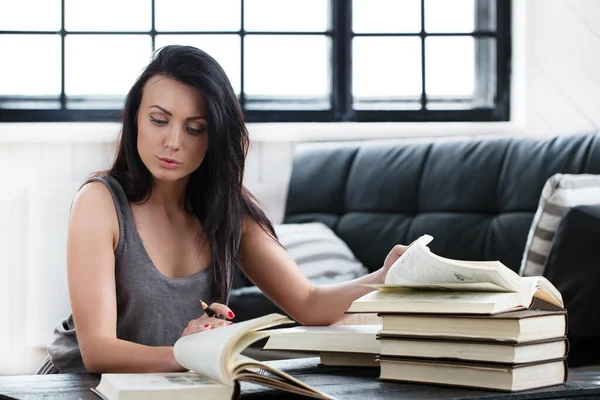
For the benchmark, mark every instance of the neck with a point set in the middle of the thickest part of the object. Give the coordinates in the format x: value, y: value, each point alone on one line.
x: 168, y: 196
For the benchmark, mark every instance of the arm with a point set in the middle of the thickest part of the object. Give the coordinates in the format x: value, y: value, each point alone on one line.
x: 92, y: 237
x: 269, y: 266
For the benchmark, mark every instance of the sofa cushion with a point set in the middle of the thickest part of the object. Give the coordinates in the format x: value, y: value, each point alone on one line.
x: 561, y: 192
x: 573, y: 267
x: 319, y: 253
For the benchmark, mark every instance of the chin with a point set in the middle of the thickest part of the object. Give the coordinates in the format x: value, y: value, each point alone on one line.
x: 166, y: 175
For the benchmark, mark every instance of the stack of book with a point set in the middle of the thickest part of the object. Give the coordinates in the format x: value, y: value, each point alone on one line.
x: 474, y: 324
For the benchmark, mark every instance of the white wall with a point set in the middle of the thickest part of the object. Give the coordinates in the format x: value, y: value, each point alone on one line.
x: 563, y: 65
x: 555, y: 91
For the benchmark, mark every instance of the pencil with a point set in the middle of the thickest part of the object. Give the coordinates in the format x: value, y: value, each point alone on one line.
x: 210, y: 312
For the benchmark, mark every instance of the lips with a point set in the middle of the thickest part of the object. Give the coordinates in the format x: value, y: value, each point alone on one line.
x: 168, y: 162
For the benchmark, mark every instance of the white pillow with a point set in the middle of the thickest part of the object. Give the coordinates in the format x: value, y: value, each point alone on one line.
x: 320, y: 254
x: 561, y: 193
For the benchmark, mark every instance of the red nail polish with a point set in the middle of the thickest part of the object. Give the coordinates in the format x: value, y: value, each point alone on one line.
x: 207, y: 325
x: 230, y: 314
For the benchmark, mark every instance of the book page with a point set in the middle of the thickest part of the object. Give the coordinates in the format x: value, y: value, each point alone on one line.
x: 256, y: 371
x: 355, y: 338
x: 157, y: 381
x: 418, y: 267
x: 438, y: 297
x: 250, y: 338
x: 208, y: 352
x: 464, y: 287
x: 542, y: 288
x: 160, y: 385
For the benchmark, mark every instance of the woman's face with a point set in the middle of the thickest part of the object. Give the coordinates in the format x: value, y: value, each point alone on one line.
x: 172, y: 129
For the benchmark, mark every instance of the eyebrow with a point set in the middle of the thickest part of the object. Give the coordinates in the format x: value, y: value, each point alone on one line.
x: 170, y: 115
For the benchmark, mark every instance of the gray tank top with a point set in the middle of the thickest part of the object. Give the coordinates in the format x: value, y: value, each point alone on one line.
x: 152, y: 309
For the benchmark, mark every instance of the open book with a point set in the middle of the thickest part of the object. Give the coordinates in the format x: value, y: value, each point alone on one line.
x: 215, y: 368
x: 423, y: 282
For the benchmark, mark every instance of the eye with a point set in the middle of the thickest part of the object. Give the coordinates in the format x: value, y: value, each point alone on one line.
x: 158, y: 121
x: 196, y: 131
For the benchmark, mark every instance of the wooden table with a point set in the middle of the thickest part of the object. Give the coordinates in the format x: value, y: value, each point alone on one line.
x: 342, y: 383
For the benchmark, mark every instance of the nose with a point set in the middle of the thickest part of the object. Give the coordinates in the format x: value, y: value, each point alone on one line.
x: 173, y: 139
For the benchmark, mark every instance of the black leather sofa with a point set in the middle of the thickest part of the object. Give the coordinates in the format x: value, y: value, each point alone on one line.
x: 476, y: 197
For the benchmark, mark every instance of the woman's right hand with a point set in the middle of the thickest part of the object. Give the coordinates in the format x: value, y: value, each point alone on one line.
x: 205, y: 323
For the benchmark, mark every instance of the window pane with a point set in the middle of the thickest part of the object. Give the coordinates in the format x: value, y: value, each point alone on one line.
x: 450, y: 66
x: 450, y: 15
x: 223, y: 48
x: 107, y: 15
x: 283, y: 67
x: 386, y: 16
x: 485, y: 72
x: 111, y: 71
x: 286, y: 16
x: 386, y: 69
x: 485, y: 15
x: 33, y: 68
x: 18, y: 15
x: 197, y: 15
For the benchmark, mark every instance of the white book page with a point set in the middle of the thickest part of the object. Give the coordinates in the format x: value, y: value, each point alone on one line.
x: 418, y: 267
x: 208, y: 352
x: 395, y: 296
x: 333, y: 338
x: 543, y: 289
x: 323, y: 331
x: 279, y: 378
x: 250, y: 338
x: 161, y: 385
x: 158, y: 381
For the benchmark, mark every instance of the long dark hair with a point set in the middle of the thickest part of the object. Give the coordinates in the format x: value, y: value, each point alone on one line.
x: 215, y: 193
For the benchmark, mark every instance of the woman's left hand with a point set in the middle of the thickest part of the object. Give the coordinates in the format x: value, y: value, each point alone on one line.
x: 391, y: 258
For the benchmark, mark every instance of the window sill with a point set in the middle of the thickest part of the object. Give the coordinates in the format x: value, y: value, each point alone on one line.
x: 96, y: 132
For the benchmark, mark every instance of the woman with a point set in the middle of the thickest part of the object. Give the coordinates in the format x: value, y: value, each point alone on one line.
x: 167, y: 225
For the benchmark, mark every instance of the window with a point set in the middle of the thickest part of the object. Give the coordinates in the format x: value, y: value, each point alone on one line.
x: 292, y: 60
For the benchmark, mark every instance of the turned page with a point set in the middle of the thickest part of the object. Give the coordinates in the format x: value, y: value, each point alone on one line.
x: 542, y: 288
x: 208, y: 353
x: 418, y: 267
x: 245, y: 368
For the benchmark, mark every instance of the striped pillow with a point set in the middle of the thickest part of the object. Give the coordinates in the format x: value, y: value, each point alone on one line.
x: 319, y: 252
x: 561, y: 192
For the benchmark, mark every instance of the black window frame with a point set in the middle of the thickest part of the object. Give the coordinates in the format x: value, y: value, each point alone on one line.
x: 341, y: 109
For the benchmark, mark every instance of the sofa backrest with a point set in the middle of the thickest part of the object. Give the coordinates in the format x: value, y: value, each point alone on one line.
x: 476, y: 197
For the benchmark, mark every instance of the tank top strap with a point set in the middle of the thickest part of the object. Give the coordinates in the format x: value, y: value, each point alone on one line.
x: 122, y: 208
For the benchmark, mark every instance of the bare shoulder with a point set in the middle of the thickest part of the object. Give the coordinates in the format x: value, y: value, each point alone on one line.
x: 93, y: 207
x: 93, y: 196
x: 249, y: 224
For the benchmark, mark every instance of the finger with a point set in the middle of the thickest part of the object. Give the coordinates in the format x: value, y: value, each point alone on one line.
x: 196, y: 329
x: 214, y: 322
x: 203, y: 319
x: 223, y: 310
x: 195, y: 323
x: 222, y: 323
x: 400, y: 248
